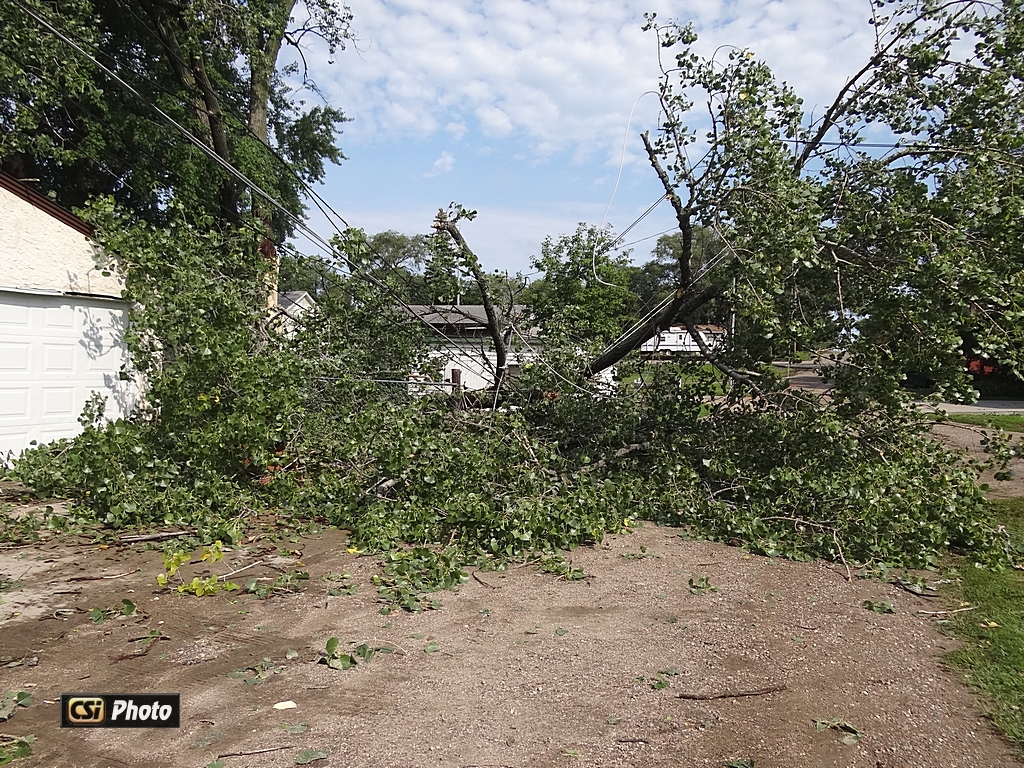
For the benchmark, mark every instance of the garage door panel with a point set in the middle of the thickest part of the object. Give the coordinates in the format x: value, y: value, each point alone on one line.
x: 54, y: 352
x: 14, y: 356
x: 59, y: 402
x: 14, y: 404
x: 58, y: 358
x: 11, y: 314
x: 62, y: 316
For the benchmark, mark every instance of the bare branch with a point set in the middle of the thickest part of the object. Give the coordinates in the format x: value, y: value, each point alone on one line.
x: 443, y: 224
x: 708, y: 355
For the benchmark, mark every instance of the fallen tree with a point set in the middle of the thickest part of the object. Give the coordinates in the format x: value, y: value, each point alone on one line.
x: 890, y: 254
x: 883, y: 256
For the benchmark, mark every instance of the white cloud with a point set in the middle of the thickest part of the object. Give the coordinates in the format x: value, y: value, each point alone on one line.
x: 443, y: 164
x: 563, y: 75
x: 494, y: 121
x: 457, y: 130
x: 538, y: 92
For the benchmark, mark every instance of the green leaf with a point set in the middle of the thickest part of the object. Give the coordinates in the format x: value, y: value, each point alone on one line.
x: 307, y: 756
x: 431, y: 647
x: 300, y: 728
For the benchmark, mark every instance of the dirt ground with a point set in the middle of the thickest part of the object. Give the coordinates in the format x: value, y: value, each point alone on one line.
x: 969, y: 438
x: 529, y: 670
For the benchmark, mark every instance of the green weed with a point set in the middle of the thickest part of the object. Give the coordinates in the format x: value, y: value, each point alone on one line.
x: 992, y: 655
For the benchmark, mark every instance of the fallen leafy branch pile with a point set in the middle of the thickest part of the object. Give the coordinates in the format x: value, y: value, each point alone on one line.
x: 239, y: 420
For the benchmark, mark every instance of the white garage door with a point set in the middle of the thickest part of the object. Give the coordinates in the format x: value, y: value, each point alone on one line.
x: 54, y: 352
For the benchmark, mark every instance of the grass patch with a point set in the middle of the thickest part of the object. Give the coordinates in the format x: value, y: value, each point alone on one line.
x: 992, y: 658
x: 1011, y: 422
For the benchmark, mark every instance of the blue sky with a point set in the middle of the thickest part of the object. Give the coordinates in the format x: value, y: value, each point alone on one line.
x: 519, y: 109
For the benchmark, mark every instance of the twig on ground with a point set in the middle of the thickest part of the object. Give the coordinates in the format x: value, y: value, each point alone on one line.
x: 148, y: 637
x: 632, y: 741
x: 243, y: 568
x: 152, y: 537
x: 482, y: 581
x: 254, y: 752
x: 98, y: 578
x: 842, y: 556
x: 139, y: 653
x: 731, y: 695
x: 946, y: 613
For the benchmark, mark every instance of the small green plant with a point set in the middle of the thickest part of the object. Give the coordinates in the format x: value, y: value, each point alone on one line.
x: 198, y: 586
x: 307, y: 756
x: 658, y: 682
x: 343, y: 584
x: 284, y: 584
x: 21, y: 529
x: 637, y: 555
x: 172, y: 562
x: 850, y: 735
x: 410, y: 574
x: 13, y: 747
x: 335, y: 658
x: 10, y: 702
x: 561, y: 568
x: 257, y: 673
x: 208, y: 586
x: 700, y: 586
x: 99, y: 615
x: 881, y: 606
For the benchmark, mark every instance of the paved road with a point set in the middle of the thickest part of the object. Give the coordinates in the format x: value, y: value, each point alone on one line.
x: 804, y: 377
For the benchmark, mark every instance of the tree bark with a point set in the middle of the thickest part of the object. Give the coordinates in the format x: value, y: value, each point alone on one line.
x: 682, y: 304
x: 262, y: 64
x: 443, y: 224
x: 190, y: 70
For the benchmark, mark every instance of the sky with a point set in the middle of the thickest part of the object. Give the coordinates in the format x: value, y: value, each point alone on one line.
x: 527, y: 112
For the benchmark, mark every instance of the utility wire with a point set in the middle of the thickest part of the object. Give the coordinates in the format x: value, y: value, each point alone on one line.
x: 234, y: 172
x: 325, y: 207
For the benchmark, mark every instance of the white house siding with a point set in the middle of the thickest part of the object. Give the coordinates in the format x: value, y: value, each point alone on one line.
x: 61, y: 324
x: 678, y: 339
x: 473, y: 371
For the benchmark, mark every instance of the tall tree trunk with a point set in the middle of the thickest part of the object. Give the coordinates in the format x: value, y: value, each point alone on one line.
x: 443, y: 224
x: 190, y: 70
x: 262, y: 64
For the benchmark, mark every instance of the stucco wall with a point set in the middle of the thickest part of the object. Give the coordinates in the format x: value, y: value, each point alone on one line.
x: 37, y: 252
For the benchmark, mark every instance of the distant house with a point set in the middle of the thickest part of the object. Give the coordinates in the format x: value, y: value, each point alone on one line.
x: 466, y: 351
x: 677, y: 340
x: 291, y: 306
x: 62, y: 323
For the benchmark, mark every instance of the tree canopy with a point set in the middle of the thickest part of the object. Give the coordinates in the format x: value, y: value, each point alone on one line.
x: 211, y: 66
x: 890, y: 256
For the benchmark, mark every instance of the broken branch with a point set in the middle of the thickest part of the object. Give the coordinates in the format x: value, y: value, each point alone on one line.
x: 732, y: 695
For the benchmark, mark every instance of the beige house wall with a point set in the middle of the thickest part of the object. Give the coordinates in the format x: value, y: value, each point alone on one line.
x: 39, y: 253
